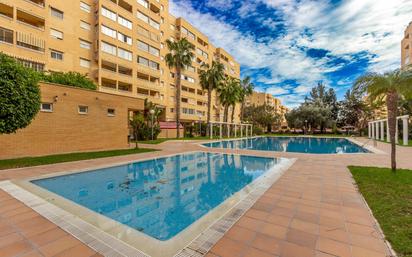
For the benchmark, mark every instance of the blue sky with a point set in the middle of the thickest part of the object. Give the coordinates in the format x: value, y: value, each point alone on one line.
x: 288, y: 46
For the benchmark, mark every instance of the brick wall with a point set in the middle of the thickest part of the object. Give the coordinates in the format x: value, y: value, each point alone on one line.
x: 64, y: 130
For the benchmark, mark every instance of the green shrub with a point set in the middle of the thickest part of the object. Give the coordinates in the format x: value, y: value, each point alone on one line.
x: 19, y: 95
x: 73, y: 79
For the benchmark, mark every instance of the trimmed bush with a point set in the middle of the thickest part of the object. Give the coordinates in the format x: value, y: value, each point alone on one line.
x: 73, y: 79
x: 19, y: 95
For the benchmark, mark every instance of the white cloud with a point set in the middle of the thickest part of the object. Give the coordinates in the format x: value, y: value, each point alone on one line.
x: 276, y: 91
x: 374, y: 27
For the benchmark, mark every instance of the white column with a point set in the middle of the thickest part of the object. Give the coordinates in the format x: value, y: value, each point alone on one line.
x: 247, y: 130
x: 405, y: 130
x: 373, y: 129
x: 369, y: 130
x: 388, y: 138
x: 382, y: 130
x: 235, y: 130
x: 397, y: 132
x: 251, y: 130
x: 220, y: 125
x: 241, y: 130
x: 211, y: 130
x: 377, y: 130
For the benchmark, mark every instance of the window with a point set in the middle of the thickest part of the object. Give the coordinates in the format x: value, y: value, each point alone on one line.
x: 144, y: 3
x: 154, y: 24
x: 127, y: 55
x: 109, y: 14
x: 84, y: 44
x: 109, y: 31
x: 111, y: 112
x: 124, y: 38
x: 85, y: 7
x: 56, y: 13
x: 83, y: 109
x: 142, y: 17
x: 125, y: 22
x: 84, y: 25
x: 143, y: 61
x: 84, y: 63
x: 56, y: 34
x: 154, y: 51
x: 46, y: 107
x: 154, y: 65
x: 57, y: 55
x: 6, y: 35
x: 108, y: 48
x: 191, y: 68
x: 142, y: 46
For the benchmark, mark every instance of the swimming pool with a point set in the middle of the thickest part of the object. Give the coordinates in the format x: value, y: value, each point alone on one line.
x: 293, y: 144
x: 161, y: 197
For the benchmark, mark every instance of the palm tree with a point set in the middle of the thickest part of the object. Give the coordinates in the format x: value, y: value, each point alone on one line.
x: 228, y: 94
x: 210, y: 77
x: 180, y: 56
x: 238, y: 91
x: 247, y: 89
x: 390, y: 86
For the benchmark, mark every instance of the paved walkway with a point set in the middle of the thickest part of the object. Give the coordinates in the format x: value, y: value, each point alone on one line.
x: 313, y: 210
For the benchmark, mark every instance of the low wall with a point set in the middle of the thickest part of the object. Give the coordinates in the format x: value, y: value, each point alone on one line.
x: 65, y: 130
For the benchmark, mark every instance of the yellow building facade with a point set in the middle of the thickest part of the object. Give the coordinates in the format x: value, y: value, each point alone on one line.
x: 119, y: 44
x: 259, y: 98
x: 406, y: 46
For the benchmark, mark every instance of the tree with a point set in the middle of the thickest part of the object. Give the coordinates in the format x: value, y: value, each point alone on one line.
x: 73, y: 79
x: 390, y: 86
x: 246, y: 90
x: 313, y: 115
x: 137, y: 123
x: 180, y: 57
x: 320, y: 95
x: 210, y: 78
x: 19, y: 95
x: 228, y: 95
x: 263, y: 116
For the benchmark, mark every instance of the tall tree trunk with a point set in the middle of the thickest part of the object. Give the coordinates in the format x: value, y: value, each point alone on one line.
x: 392, y: 106
x: 178, y: 98
x: 233, y: 112
x: 225, y: 118
x: 209, y: 108
x: 242, y: 106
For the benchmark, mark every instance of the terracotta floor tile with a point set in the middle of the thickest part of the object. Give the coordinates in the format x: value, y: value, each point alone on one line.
x: 322, y: 254
x: 305, y: 226
x: 253, y: 252
x: 58, y: 246
x: 10, y: 238
x: 337, y: 234
x: 331, y: 222
x: 6, y: 229
x: 302, y: 238
x: 23, y: 217
x: 361, y: 230
x: 263, y: 206
x: 333, y: 247
x: 257, y: 214
x: 241, y: 234
x: 283, y: 211
x: 273, y: 230
x: 15, y: 249
x: 293, y: 250
x: 207, y: 255
x: 34, y: 253
x: 249, y: 223
x: 77, y: 251
x: 47, y: 236
x: 267, y: 244
x: 306, y: 216
x: 368, y: 243
x: 228, y: 248
x: 362, y: 252
x: 279, y: 220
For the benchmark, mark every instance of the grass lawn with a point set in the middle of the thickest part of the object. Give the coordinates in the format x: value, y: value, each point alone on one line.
x: 161, y: 140
x: 50, y: 159
x: 297, y: 135
x: 400, y: 142
x: 389, y: 195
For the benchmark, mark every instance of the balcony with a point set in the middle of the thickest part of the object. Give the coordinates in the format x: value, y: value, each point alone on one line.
x: 125, y: 87
x: 30, y: 42
x: 37, y: 2
x: 6, y: 11
x: 109, y: 84
x: 126, y: 6
x: 30, y: 20
x: 6, y: 35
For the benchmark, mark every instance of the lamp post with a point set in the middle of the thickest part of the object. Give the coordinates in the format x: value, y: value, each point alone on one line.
x: 152, y: 114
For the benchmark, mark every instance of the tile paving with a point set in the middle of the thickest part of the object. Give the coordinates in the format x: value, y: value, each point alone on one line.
x: 313, y: 210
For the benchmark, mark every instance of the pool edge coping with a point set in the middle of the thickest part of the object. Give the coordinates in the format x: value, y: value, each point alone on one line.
x: 107, y: 244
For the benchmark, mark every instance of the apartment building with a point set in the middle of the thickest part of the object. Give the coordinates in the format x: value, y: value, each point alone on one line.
x: 259, y: 98
x: 120, y: 44
x: 406, y: 47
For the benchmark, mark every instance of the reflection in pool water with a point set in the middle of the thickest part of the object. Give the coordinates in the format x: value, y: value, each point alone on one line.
x: 293, y: 144
x: 161, y: 197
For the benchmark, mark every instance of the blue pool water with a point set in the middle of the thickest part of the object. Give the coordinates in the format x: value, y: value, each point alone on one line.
x: 161, y: 197
x: 293, y: 144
